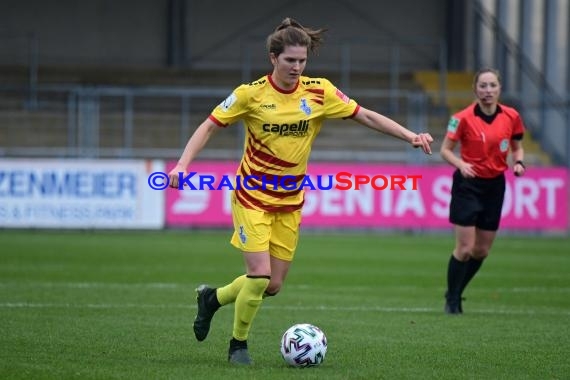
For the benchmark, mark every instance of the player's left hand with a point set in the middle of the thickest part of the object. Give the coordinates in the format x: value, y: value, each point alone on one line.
x: 519, y: 169
x: 423, y: 140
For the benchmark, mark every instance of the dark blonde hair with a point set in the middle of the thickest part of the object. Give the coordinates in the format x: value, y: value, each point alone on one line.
x: 483, y: 71
x: 291, y: 33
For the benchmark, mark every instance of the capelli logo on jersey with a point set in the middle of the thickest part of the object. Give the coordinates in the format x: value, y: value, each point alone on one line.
x: 271, y: 107
x: 296, y: 130
x: 257, y: 82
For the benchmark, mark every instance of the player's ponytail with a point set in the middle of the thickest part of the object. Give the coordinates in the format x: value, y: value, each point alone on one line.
x: 292, y: 33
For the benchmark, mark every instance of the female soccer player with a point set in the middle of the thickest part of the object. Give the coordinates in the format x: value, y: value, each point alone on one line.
x: 486, y: 130
x: 283, y: 112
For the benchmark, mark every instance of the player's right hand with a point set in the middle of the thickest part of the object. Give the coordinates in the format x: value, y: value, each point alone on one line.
x: 174, y: 176
x: 423, y: 140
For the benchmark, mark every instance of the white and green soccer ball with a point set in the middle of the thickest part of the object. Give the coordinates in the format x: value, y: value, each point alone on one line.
x: 304, y: 345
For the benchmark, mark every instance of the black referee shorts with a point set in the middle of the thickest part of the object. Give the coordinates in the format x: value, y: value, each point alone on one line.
x: 477, y: 201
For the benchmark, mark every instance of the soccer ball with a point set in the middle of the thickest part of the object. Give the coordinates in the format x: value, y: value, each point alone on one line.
x: 304, y: 345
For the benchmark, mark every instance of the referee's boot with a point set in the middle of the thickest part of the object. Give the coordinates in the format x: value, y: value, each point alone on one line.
x: 207, y: 305
x: 453, y: 304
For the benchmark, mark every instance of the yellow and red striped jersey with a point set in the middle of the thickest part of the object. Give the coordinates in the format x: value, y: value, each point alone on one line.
x: 280, y: 127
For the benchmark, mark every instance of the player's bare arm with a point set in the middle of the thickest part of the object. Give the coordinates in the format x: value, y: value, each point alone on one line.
x: 195, y: 144
x: 517, y: 152
x: 383, y: 124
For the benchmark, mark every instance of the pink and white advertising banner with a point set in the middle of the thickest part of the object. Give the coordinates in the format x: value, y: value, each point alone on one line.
x: 378, y: 196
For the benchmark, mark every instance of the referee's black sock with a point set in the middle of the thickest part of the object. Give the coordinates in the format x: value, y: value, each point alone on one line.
x: 471, y: 269
x: 455, y: 276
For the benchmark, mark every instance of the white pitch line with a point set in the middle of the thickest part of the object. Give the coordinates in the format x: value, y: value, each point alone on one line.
x: 535, y: 289
x: 414, y: 310
x: 95, y: 285
x: 167, y: 285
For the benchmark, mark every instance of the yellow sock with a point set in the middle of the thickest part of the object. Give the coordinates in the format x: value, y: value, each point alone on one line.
x: 229, y: 293
x: 247, y: 303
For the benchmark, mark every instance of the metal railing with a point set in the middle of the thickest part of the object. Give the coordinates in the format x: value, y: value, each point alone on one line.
x: 548, y: 113
x: 373, y: 56
x: 108, y: 121
x: 156, y: 122
x: 365, y: 55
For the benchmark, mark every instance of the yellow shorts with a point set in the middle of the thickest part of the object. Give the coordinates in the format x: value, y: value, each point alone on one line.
x: 260, y: 231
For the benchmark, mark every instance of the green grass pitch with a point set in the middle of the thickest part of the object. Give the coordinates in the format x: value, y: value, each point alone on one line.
x: 120, y: 305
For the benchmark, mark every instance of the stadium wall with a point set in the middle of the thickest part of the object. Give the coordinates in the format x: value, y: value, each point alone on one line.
x: 145, y: 33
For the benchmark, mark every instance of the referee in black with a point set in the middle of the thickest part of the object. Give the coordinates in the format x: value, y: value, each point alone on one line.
x: 486, y: 131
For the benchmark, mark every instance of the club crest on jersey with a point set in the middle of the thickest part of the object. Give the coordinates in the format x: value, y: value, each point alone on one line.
x: 504, y: 145
x: 228, y: 102
x: 305, y: 107
x: 242, y: 235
